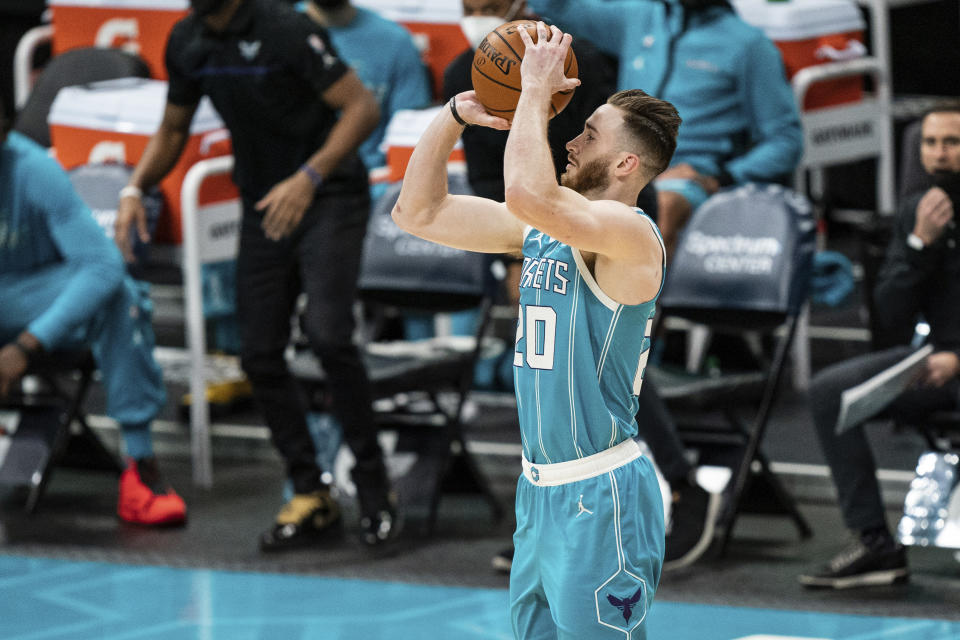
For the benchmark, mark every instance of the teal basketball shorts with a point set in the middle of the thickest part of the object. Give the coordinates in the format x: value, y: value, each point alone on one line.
x: 588, y: 547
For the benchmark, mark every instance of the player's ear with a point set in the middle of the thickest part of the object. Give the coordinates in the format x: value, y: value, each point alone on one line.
x: 627, y: 164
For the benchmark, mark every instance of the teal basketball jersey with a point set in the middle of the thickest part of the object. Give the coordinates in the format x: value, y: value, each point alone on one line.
x: 579, y: 358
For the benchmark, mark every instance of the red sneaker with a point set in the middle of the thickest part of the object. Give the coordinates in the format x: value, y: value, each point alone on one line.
x: 145, y: 500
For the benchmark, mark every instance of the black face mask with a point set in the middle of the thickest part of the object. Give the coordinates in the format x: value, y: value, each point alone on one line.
x: 949, y: 181
x: 692, y: 6
x: 207, y: 7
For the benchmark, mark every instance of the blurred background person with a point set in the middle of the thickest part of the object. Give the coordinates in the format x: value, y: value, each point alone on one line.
x: 920, y: 276
x: 384, y: 56
x: 296, y: 115
x: 63, y: 286
x: 726, y: 78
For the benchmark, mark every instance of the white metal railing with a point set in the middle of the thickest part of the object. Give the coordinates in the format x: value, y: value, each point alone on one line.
x: 848, y: 132
x: 23, y: 62
x: 193, y: 261
x: 837, y: 134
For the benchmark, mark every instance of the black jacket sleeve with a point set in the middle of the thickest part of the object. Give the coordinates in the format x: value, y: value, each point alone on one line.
x: 903, y: 284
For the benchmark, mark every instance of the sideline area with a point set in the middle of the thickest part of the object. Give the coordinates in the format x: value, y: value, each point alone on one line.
x: 56, y: 599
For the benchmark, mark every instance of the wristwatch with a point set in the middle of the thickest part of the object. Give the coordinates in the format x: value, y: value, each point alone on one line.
x: 915, y: 243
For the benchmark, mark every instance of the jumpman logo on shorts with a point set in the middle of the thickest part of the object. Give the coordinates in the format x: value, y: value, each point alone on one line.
x: 582, y: 508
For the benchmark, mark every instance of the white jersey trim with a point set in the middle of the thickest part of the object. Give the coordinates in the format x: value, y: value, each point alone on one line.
x: 663, y: 251
x: 600, y: 294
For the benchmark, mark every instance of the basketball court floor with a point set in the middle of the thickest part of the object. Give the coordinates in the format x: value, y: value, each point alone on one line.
x: 69, y: 600
x: 71, y: 571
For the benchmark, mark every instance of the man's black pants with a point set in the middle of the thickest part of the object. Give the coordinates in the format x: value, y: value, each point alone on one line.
x: 321, y: 258
x: 848, y: 454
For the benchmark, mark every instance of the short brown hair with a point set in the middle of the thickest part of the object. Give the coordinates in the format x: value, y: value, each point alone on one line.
x: 652, y: 122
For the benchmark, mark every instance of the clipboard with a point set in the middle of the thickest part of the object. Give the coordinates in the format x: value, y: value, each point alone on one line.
x: 867, y: 399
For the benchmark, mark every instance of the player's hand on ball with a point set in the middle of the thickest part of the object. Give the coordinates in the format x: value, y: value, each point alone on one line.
x: 543, y: 61
x: 470, y: 109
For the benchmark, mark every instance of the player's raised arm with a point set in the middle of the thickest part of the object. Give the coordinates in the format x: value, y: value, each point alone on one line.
x: 604, y: 174
x: 426, y: 208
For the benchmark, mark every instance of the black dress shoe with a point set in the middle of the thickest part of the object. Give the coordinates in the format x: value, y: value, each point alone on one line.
x: 380, y: 519
x: 306, y: 519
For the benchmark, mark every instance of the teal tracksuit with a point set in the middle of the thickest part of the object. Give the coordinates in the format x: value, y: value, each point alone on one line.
x: 64, y: 281
x: 724, y: 76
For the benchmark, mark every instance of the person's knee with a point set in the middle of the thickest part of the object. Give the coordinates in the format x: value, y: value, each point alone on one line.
x: 263, y: 366
x: 336, y: 354
x: 825, y: 384
x: 123, y: 320
x: 327, y: 349
x: 673, y: 210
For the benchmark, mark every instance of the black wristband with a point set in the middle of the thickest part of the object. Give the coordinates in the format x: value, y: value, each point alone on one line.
x: 456, y: 116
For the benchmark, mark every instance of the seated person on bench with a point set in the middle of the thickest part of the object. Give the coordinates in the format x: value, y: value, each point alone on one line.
x: 921, y: 275
x: 63, y: 285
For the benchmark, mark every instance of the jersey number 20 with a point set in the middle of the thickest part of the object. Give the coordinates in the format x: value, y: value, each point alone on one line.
x: 539, y: 325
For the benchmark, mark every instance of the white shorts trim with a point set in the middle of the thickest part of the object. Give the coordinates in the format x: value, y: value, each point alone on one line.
x: 551, y: 475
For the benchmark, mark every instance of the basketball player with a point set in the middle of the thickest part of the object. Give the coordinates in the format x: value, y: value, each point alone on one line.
x: 590, y: 529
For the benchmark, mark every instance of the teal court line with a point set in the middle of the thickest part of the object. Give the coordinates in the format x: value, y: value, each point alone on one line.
x: 47, y: 599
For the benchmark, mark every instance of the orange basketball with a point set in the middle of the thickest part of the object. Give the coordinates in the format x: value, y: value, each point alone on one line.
x: 496, y: 70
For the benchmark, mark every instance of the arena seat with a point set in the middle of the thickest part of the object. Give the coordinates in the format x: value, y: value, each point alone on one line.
x: 46, y: 423
x: 77, y: 66
x: 742, y: 267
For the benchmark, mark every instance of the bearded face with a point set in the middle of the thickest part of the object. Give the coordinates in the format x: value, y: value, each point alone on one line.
x: 592, y: 176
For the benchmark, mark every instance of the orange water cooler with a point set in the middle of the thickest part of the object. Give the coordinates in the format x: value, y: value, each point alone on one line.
x: 403, y: 132
x: 812, y: 32
x: 112, y: 121
x: 137, y: 26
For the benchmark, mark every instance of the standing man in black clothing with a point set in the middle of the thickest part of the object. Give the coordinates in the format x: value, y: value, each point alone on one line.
x: 278, y: 85
x: 921, y: 275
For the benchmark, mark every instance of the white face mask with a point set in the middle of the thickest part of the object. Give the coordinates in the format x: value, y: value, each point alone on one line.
x: 476, y: 28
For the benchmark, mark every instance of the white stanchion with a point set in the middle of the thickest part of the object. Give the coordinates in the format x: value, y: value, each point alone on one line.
x: 23, y: 62
x: 848, y: 132
x: 833, y: 135
x: 196, y: 335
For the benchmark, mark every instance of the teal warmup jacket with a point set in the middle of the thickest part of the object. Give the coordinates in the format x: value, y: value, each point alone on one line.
x: 43, y: 225
x: 725, y: 77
